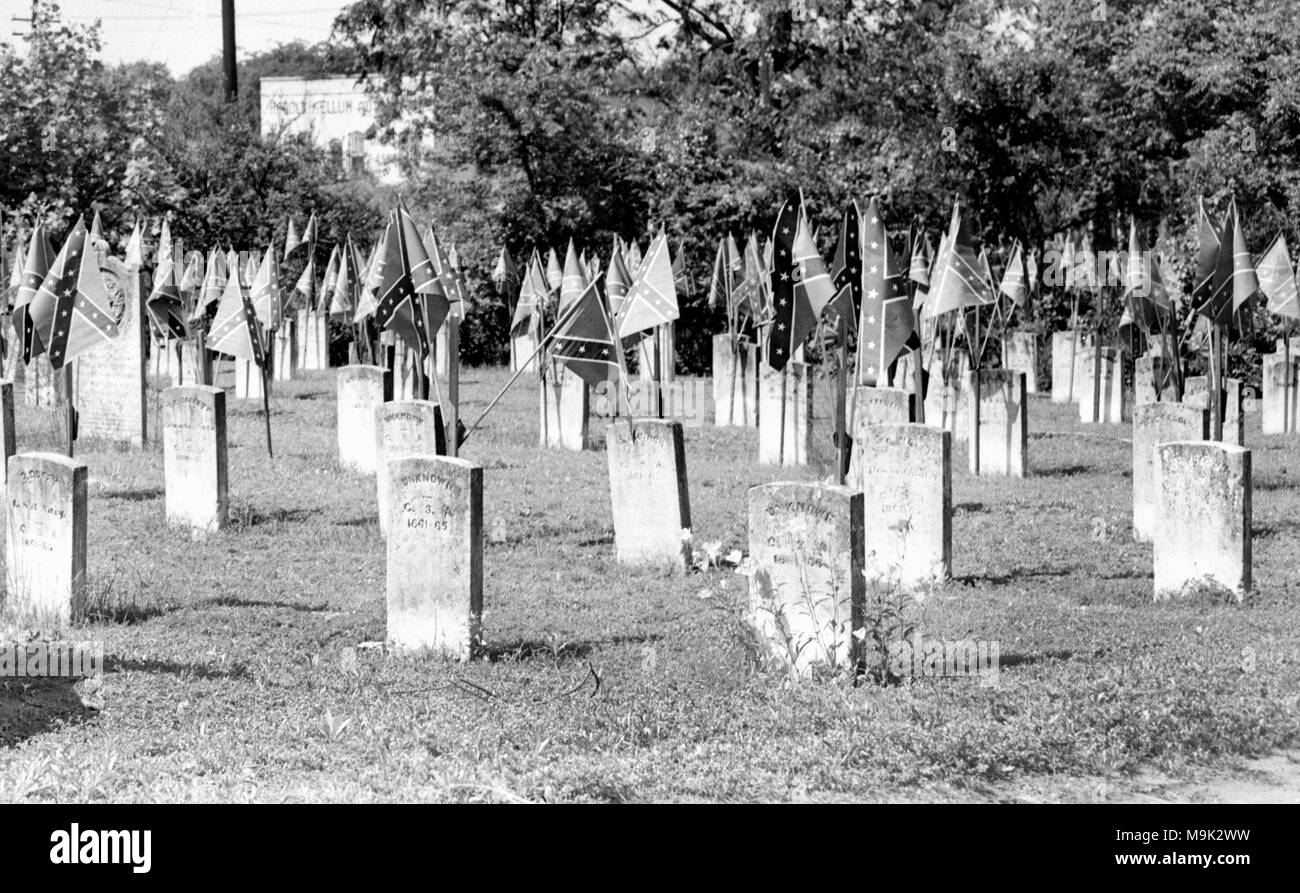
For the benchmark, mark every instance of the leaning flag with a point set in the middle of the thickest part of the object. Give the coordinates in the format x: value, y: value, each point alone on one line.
x: 652, y: 300
x: 331, y: 278
x: 343, y: 297
x: 266, y: 291
x: 584, y: 340
x: 235, y: 329
x: 1014, y: 284
x: 309, y: 232
x: 532, y: 296
x: 134, y: 253
x: 720, y: 284
x: 40, y: 255
x: 1245, y: 285
x: 1277, y: 280
x: 811, y: 275
x: 957, y: 280
x: 793, y: 319
x: 306, y: 286
x: 886, y: 324
x: 1212, y: 288
x: 291, y: 240
x: 554, y: 273
x: 72, y: 310
x: 574, y: 281
x: 164, y: 306
x: 618, y: 281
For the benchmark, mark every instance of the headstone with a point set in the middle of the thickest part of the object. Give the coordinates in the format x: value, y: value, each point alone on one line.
x: 806, y: 587
x: 787, y: 444
x: 360, y: 390
x: 649, y: 493
x: 441, y: 351
x: 1153, y: 380
x: 196, y: 364
x: 1202, y: 537
x: 1156, y: 423
x: 1281, y: 380
x: 521, y: 352
x: 41, y: 390
x: 907, y: 501
x: 162, y: 362
x: 1196, y: 390
x: 1003, y: 425
x: 45, y: 544
x: 8, y: 434
x: 248, y: 380
x: 195, y: 468
x: 735, y: 382
x: 1020, y: 354
x: 574, y: 411
x: 406, y: 372
x: 284, y: 347
x: 1067, y: 352
x: 13, y: 362
x: 874, y: 406
x: 109, y: 380
x: 404, y: 428
x: 666, y: 337
x: 1107, y: 403
x: 313, y: 341
x: 435, y: 556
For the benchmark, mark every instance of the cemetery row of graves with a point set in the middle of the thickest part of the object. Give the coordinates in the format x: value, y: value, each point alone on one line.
x: 809, y: 527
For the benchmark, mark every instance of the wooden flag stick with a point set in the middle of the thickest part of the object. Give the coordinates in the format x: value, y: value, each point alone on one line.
x: 453, y: 384
x: 841, y: 398
x: 266, y: 404
x: 70, y: 409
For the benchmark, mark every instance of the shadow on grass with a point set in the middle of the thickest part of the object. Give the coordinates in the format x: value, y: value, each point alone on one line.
x: 1067, y: 471
x: 1266, y: 530
x: 242, y: 518
x: 231, y: 601
x: 124, y: 614
x: 1276, y: 483
x: 605, y: 539
x: 531, y: 649
x: 972, y: 508
x: 172, y: 668
x: 145, y: 495
x: 1015, y: 576
x: 1017, y: 660
x: 371, y: 521
x: 30, y: 707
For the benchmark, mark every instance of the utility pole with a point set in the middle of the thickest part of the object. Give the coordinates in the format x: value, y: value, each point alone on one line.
x: 228, y: 49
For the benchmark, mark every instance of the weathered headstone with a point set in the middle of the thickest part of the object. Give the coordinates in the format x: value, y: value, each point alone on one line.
x: 564, y: 410
x: 735, y: 382
x: 521, y: 352
x: 196, y: 364
x: 907, y: 500
x: 1003, y: 425
x: 435, y: 556
x: 1202, y: 535
x: 1156, y: 423
x: 806, y: 588
x: 1153, y: 380
x: 8, y: 434
x: 248, y: 380
x: 787, y: 444
x: 40, y: 389
x: 195, y: 468
x: 284, y: 363
x: 313, y: 341
x: 109, y: 381
x: 404, y: 428
x: 649, y: 493
x: 360, y: 390
x: 1020, y: 354
x: 1105, y: 402
x: 45, y: 542
x: 1281, y: 380
x: 874, y: 406
x: 1067, y: 352
x: 1196, y: 390
x: 666, y: 338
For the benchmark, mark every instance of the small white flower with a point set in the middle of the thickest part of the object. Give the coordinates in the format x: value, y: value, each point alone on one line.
x: 735, y: 556
x: 705, y: 593
x: 687, y: 536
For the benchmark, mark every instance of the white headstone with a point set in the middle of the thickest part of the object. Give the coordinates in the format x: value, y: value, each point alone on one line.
x: 1067, y: 349
x: 1156, y: 423
x: 806, y: 588
x: 789, y: 444
x: 284, y: 346
x: 1196, y: 390
x: 45, y: 541
x: 735, y: 382
x: 521, y: 352
x: 874, y: 406
x: 435, y: 556
x: 1281, y: 380
x: 1020, y: 354
x: 906, y: 484
x: 1003, y: 424
x: 1202, y: 532
x: 1103, y: 402
x: 1152, y: 380
x: 404, y: 428
x: 109, y: 381
x: 313, y: 341
x: 248, y: 380
x: 195, y: 467
x: 360, y: 390
x: 649, y: 493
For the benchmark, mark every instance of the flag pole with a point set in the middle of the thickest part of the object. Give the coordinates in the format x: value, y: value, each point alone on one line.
x: 70, y: 409
x: 266, y: 405
x: 453, y: 384
x: 841, y: 398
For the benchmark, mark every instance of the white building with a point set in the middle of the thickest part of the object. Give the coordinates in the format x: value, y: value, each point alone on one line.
x: 337, y: 113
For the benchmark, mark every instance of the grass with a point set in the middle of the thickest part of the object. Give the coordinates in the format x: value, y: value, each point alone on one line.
x: 242, y: 667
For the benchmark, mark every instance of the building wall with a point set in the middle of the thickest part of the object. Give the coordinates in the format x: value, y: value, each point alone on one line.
x: 329, y: 109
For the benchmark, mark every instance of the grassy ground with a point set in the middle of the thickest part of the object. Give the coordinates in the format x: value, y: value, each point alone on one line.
x: 238, y: 668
